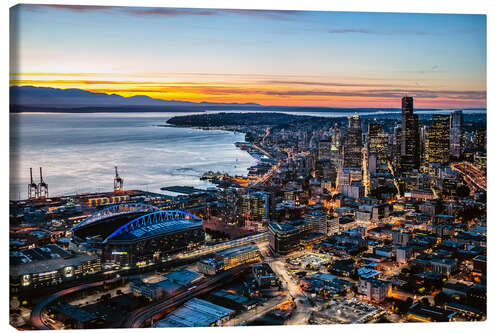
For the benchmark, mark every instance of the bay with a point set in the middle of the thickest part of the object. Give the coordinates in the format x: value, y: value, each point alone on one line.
x: 78, y: 152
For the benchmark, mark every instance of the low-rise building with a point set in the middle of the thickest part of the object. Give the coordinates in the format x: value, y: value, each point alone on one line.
x: 374, y: 289
x: 196, y: 313
x: 264, y: 276
x: 444, y: 266
x: 49, y: 266
x: 425, y: 313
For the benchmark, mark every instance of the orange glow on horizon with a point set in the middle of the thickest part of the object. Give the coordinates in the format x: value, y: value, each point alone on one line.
x: 264, y: 92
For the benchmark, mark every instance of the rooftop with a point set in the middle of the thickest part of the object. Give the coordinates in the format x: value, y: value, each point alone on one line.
x: 195, y: 313
x: 238, y: 250
x: 50, y: 265
x: 156, y: 229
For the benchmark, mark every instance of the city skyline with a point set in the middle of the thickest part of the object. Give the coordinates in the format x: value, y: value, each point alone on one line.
x: 299, y: 58
x: 132, y: 206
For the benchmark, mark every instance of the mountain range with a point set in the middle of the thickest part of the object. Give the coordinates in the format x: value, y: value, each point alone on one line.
x: 30, y: 96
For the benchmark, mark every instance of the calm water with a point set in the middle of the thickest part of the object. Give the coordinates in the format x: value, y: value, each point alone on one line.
x: 78, y: 152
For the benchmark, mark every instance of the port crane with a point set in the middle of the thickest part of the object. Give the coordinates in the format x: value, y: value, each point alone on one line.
x: 118, y: 185
x: 43, y: 187
x: 32, y: 187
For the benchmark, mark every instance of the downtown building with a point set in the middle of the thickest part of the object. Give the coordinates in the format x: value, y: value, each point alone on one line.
x: 456, y: 134
x: 353, y: 143
x: 378, y: 145
x: 318, y: 220
x: 437, y: 148
x: 324, y: 148
x: 254, y: 206
x: 336, y: 147
x: 410, y: 152
x: 230, y: 258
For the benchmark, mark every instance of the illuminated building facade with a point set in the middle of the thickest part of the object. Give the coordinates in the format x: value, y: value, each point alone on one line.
x: 353, y: 143
x: 284, y: 238
x: 128, y: 235
x: 254, y: 206
x: 318, y: 220
x: 229, y: 258
x: 456, y: 134
x: 438, y: 140
x: 378, y: 145
x: 49, y: 266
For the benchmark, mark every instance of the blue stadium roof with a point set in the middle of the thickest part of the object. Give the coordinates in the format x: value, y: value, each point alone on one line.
x: 155, y: 224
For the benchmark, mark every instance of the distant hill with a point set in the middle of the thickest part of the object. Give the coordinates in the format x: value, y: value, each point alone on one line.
x: 43, y: 99
x: 29, y: 96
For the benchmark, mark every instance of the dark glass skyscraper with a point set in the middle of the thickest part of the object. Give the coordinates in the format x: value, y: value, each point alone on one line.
x: 410, y: 152
x: 353, y: 143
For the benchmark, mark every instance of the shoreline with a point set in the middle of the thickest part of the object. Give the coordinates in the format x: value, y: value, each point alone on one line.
x: 224, y: 178
x: 229, y: 157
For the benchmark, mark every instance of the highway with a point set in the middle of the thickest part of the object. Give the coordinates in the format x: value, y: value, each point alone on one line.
x: 36, y: 315
x: 139, y: 316
x: 473, y: 176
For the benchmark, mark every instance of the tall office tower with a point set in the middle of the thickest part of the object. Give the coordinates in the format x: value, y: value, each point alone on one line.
x: 325, y: 147
x: 336, y: 148
x: 423, y: 139
x: 410, y: 153
x: 456, y: 134
x: 378, y: 145
x: 396, y: 152
x: 438, y: 140
x: 353, y: 143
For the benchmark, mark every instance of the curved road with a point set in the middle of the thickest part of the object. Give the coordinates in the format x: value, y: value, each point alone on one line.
x: 36, y: 314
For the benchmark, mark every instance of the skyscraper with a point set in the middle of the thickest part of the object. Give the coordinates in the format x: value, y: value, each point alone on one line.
x: 324, y: 149
x: 378, y: 143
x: 336, y: 147
x: 456, y: 133
x: 336, y: 152
x: 353, y: 143
x: 437, y: 148
x: 410, y: 152
x: 396, y: 152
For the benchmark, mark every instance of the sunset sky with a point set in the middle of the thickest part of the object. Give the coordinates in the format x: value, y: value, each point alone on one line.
x: 334, y: 59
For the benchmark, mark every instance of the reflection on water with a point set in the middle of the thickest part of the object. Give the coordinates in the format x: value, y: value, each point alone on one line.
x: 78, y: 152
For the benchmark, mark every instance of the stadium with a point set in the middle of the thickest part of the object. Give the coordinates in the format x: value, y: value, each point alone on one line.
x: 137, y: 234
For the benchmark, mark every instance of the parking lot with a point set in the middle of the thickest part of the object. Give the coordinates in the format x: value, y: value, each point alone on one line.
x: 346, y: 311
